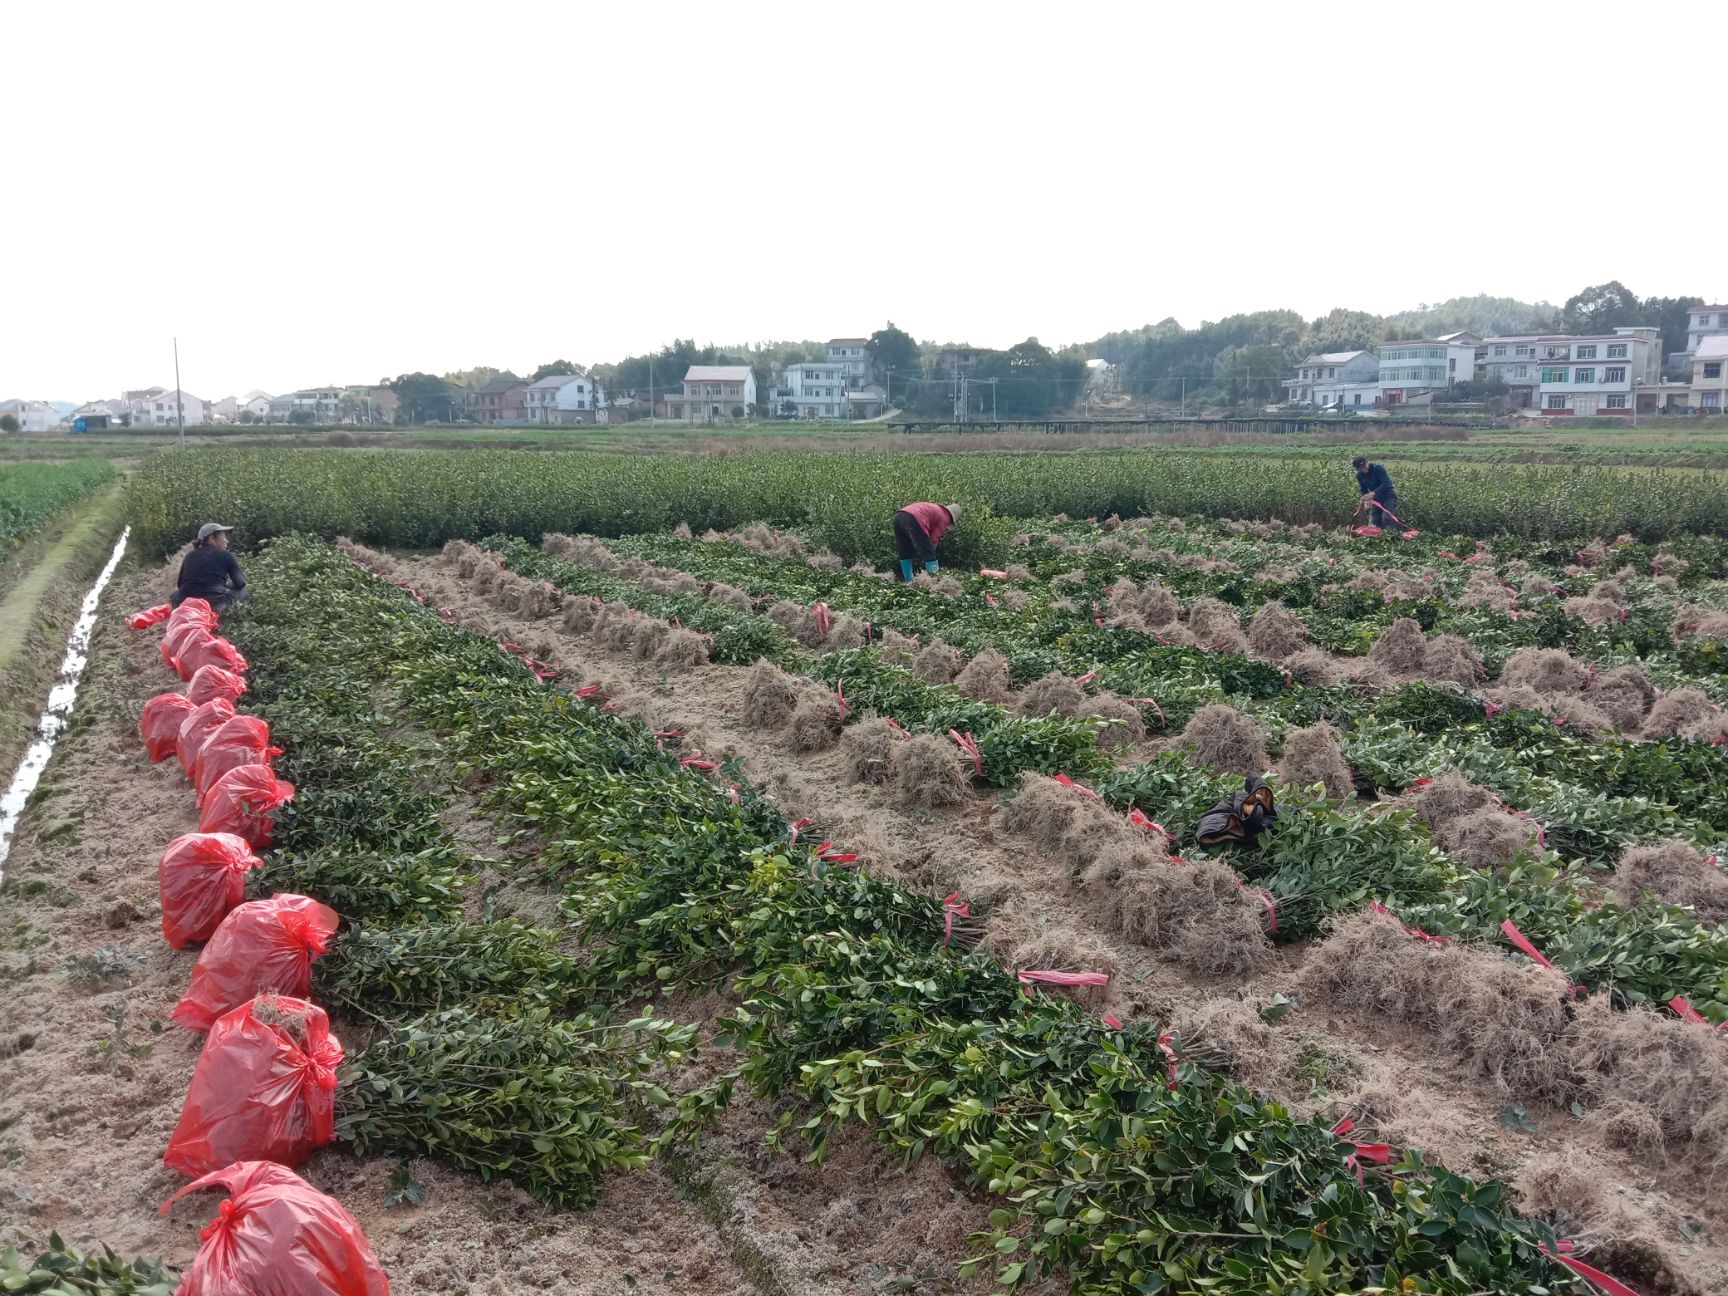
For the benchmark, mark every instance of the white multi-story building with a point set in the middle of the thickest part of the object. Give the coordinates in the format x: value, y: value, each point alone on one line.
x: 813, y: 391
x: 1591, y: 376
x: 713, y: 394
x: 566, y: 399
x: 1710, y: 374
x: 1430, y: 365
x: 854, y: 354
x: 32, y: 415
x: 308, y: 405
x: 167, y: 408
x: 1703, y: 322
x: 1336, y: 379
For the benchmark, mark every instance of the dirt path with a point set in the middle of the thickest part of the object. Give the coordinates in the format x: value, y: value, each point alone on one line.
x: 1327, y: 1055
x: 91, y: 1080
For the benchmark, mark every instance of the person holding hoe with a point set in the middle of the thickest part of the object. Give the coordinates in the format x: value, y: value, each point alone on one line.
x: 917, y: 528
x: 209, y: 572
x: 1377, y: 491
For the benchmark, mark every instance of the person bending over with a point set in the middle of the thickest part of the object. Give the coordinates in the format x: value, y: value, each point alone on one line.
x: 917, y: 528
x: 1375, y: 487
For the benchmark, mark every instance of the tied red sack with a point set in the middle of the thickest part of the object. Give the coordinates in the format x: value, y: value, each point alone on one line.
x: 194, y: 611
x: 278, y: 1234
x: 148, y: 617
x: 215, y: 682
x: 202, y: 876
x: 203, y: 721
x: 264, y: 1089
x: 177, y: 638
x: 244, y: 801
x: 242, y: 740
x: 208, y: 650
x: 160, y: 724
x: 261, y: 947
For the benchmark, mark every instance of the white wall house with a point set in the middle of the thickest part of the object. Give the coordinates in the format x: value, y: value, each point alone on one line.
x: 813, y: 391
x: 310, y: 404
x: 854, y: 354
x: 32, y: 415
x: 563, y: 399
x: 712, y: 392
x: 1335, y: 378
x: 166, y: 408
x: 1703, y: 322
x: 1596, y: 376
x: 1710, y: 374
x: 1513, y: 361
x: 1430, y: 365
x: 230, y: 408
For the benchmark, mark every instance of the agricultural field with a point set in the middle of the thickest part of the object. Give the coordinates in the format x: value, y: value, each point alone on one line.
x: 719, y: 915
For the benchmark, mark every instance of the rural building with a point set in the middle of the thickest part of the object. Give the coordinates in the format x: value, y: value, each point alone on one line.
x: 230, y: 408
x: 954, y: 361
x: 854, y: 354
x: 1710, y: 374
x: 1705, y: 322
x: 1512, y: 359
x: 866, y: 403
x: 1599, y: 375
x: 499, y: 401
x: 1336, y: 378
x: 309, y: 405
x: 713, y: 393
x: 101, y: 413
x: 167, y: 408
x: 1429, y: 365
x: 563, y: 399
x: 32, y: 415
x: 812, y: 391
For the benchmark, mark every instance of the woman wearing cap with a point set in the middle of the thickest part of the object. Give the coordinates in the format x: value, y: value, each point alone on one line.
x: 917, y: 528
x: 209, y: 572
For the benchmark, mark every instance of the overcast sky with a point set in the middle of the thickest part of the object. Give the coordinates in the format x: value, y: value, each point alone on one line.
x: 331, y: 193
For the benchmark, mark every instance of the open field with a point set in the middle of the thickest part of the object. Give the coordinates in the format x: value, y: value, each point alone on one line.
x: 1697, y: 443
x: 675, y: 846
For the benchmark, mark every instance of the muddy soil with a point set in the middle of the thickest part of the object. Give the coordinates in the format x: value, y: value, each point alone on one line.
x: 1329, y: 1057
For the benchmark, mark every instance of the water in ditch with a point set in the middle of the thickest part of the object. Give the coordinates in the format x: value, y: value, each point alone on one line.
x: 58, y: 713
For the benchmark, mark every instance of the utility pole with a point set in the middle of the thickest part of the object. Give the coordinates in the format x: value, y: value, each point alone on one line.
x: 1184, y: 395
x: 650, y: 388
x: 179, y: 396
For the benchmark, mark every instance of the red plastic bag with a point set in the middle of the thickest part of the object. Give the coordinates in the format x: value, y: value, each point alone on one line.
x: 264, y: 1089
x: 177, y: 638
x: 195, y: 610
x: 202, y: 876
x: 243, y: 740
x: 243, y: 801
x: 160, y: 724
x: 278, y: 1234
x: 215, y: 682
x: 203, y: 721
x: 261, y: 947
x: 148, y: 617
x: 210, y: 650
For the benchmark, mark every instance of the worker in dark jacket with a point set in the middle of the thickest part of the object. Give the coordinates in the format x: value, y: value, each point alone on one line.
x: 917, y: 528
x: 209, y: 572
x: 1377, y: 491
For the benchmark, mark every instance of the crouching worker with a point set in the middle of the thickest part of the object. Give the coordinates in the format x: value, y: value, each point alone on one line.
x: 209, y: 572
x: 917, y: 528
x: 1240, y: 819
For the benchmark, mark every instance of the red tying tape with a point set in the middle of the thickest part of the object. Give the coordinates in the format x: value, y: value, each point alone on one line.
x: 1138, y: 818
x: 1164, y: 1042
x: 1613, y: 1286
x: 952, y: 907
x: 1266, y: 898
x: 732, y: 794
x: 1417, y: 932
x: 802, y: 823
x: 969, y: 746
x: 1153, y: 703
x: 1081, y: 788
x: 993, y: 573
x: 840, y: 699
x: 1087, y: 678
x: 1097, y: 617
x: 1112, y: 1021
x: 824, y: 619
x: 1064, y: 978
x: 696, y: 761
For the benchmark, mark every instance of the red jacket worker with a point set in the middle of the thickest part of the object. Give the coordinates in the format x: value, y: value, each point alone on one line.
x: 917, y: 528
